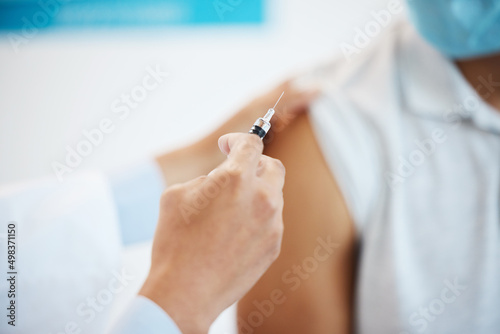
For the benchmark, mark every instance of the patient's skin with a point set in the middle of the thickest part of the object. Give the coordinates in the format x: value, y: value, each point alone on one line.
x: 314, y: 207
x: 484, y: 75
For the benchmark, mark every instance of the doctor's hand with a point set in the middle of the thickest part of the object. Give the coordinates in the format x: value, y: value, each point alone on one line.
x: 217, y: 235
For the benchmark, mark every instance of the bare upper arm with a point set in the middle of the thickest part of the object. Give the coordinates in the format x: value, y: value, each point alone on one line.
x: 309, y: 288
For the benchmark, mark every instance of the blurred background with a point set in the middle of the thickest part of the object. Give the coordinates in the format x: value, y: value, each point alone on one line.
x: 62, y: 72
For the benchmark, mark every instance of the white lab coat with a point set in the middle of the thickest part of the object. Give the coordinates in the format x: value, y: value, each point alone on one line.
x: 67, y: 254
x: 69, y: 239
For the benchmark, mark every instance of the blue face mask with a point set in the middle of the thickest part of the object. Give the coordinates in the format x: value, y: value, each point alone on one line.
x: 459, y: 28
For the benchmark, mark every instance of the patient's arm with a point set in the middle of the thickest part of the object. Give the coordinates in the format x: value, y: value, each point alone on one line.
x: 314, y: 208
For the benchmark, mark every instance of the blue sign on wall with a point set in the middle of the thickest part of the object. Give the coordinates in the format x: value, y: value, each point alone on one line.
x: 24, y: 14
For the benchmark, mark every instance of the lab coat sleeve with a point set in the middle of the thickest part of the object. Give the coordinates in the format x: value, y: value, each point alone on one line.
x: 136, y: 192
x: 144, y: 316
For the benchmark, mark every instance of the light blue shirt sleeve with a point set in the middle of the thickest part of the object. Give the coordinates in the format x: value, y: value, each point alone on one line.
x: 144, y: 316
x: 136, y: 192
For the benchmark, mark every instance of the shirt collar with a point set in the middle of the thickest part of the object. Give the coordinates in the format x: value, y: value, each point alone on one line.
x: 433, y: 87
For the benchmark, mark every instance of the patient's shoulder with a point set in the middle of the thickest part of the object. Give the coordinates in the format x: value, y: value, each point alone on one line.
x: 298, y: 149
x: 371, y: 61
x: 355, y: 119
x: 314, y: 202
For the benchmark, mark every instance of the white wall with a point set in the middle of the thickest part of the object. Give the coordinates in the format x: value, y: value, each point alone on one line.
x: 62, y: 83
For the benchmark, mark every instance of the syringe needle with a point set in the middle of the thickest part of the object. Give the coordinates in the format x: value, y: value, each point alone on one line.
x: 279, y: 100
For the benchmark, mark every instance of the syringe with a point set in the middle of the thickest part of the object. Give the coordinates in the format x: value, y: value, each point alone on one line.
x: 262, y: 125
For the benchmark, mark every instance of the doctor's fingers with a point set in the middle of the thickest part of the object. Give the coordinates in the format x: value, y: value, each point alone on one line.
x: 244, y: 152
x: 272, y: 172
